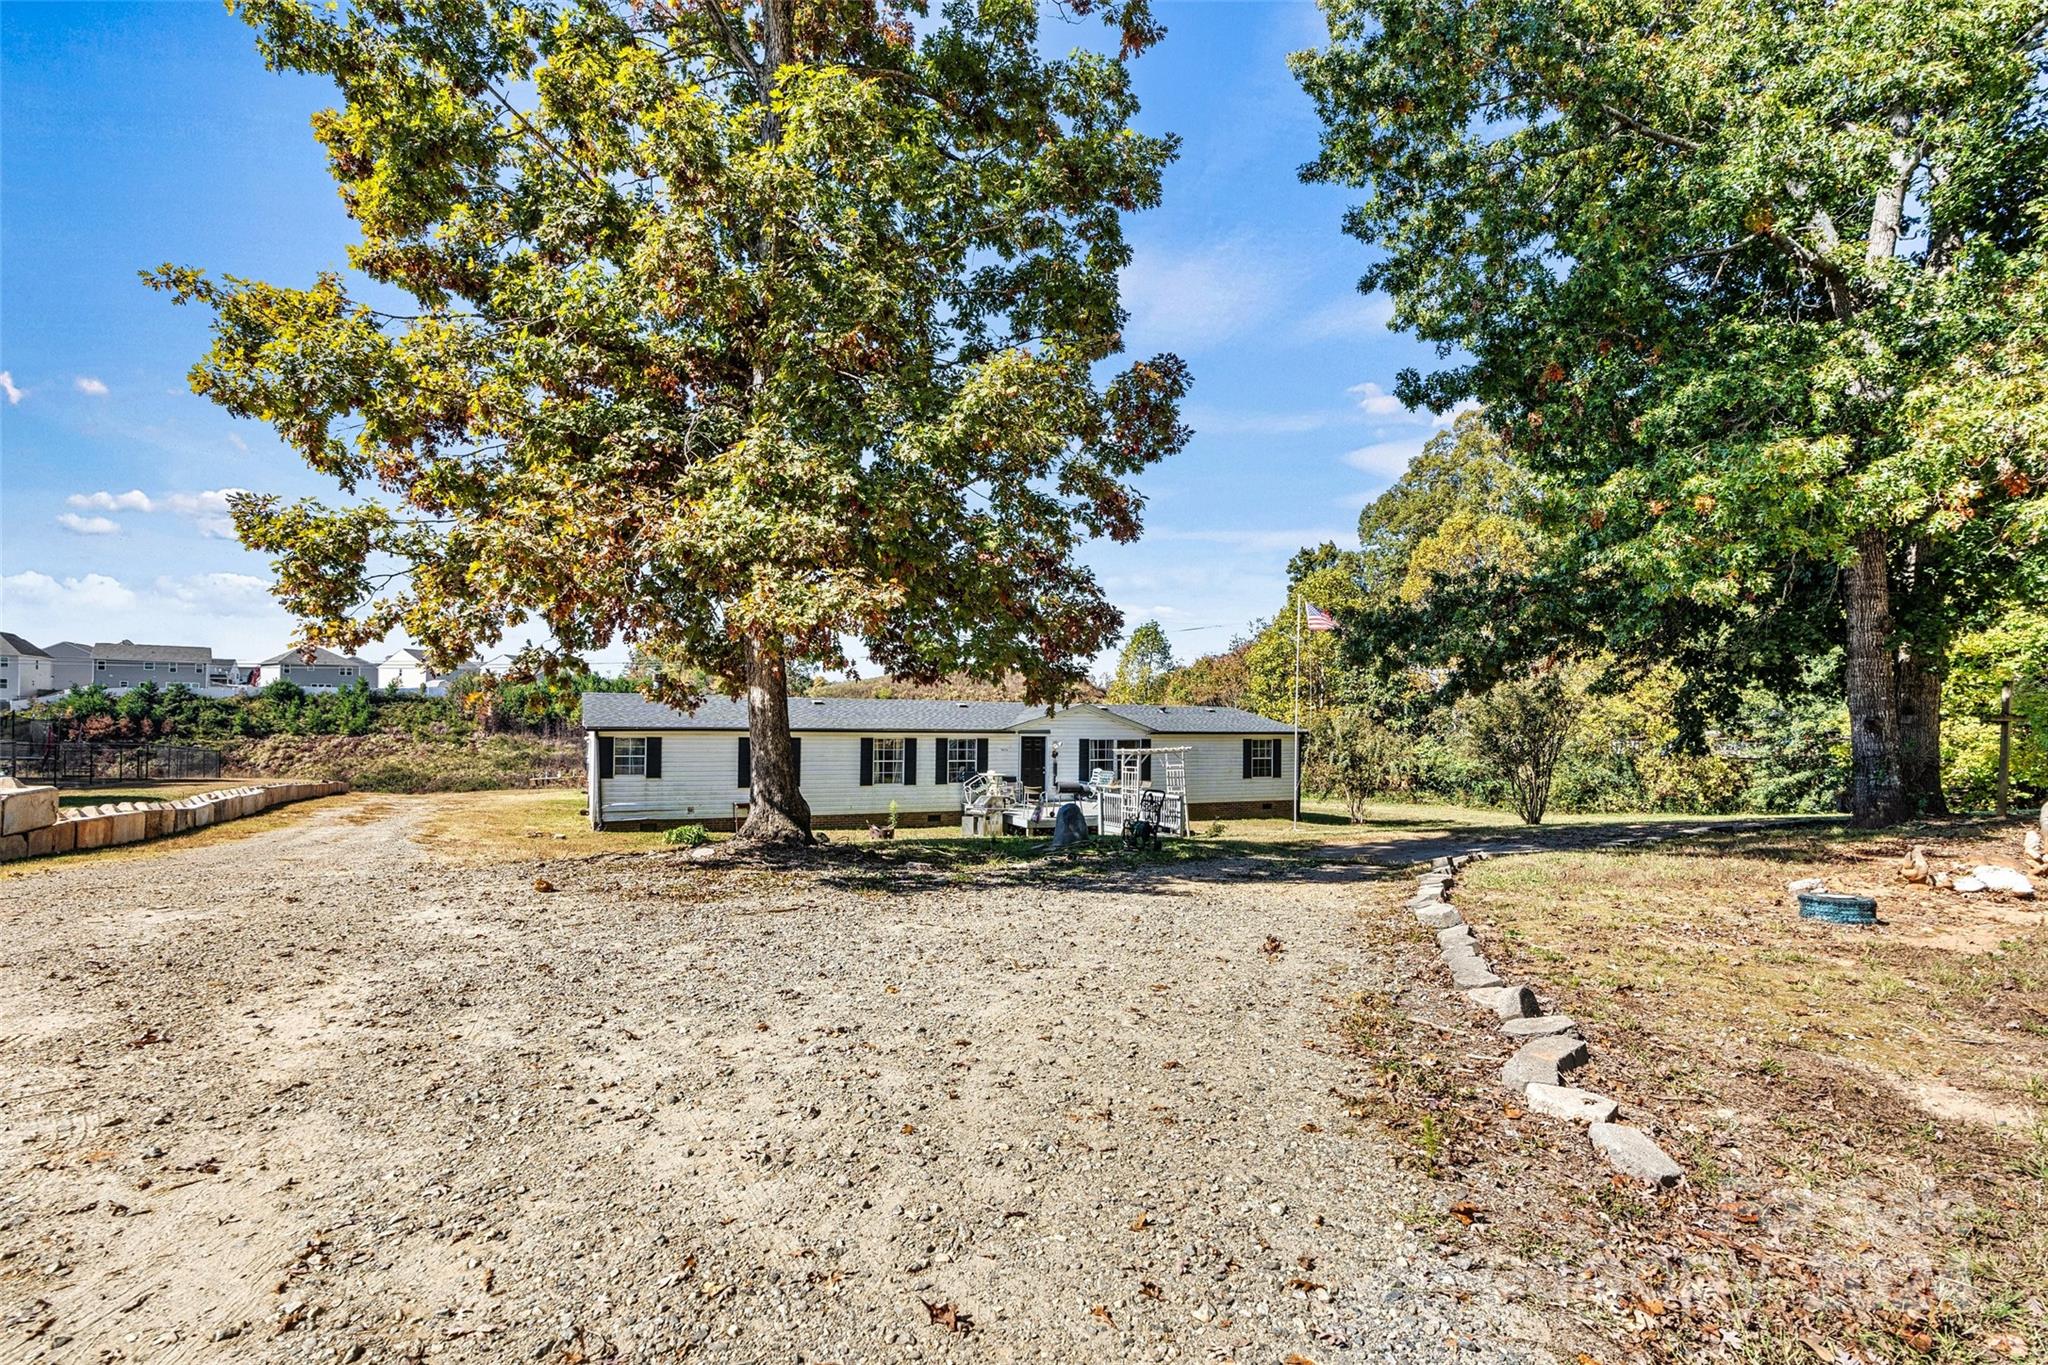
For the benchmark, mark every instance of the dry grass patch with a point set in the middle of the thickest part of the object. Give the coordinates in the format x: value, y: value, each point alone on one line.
x: 1863, y: 1113
x: 518, y: 826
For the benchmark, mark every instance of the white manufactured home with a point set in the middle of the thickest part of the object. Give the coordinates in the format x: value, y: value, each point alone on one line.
x: 650, y: 764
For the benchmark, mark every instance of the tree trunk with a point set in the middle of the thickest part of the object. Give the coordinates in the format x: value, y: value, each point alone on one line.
x: 1922, y: 660
x: 1876, y: 796
x: 777, y: 812
x: 1920, y: 733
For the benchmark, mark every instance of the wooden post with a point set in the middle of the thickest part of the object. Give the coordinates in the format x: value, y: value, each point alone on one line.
x: 2004, y: 720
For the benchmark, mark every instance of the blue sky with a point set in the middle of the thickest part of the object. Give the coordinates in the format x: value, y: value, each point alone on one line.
x: 140, y: 133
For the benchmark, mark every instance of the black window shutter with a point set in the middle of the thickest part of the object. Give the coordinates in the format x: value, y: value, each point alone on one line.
x: 746, y: 778
x: 1247, y: 760
x: 939, y: 761
x: 653, y: 757
x: 867, y: 763
x: 1145, y: 772
x: 1279, y: 758
x: 604, y: 755
x: 910, y: 763
x: 981, y: 755
x: 796, y: 760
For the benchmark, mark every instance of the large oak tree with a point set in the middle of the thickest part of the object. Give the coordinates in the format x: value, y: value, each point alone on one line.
x: 1748, y: 289
x: 725, y: 328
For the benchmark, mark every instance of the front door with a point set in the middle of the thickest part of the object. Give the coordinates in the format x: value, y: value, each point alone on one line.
x: 1034, y: 762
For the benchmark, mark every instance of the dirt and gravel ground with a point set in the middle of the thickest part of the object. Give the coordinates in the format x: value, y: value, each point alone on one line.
x: 324, y: 1095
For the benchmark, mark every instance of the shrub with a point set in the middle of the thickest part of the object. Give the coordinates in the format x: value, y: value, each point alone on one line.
x: 1520, y: 729
x: 687, y: 836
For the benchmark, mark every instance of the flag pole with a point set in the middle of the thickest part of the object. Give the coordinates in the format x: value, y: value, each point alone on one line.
x: 1300, y: 614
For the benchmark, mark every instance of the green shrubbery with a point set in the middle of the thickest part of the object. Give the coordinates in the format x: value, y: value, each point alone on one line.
x: 687, y: 836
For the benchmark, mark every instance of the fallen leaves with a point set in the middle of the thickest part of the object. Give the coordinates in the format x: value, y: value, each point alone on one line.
x: 1101, y: 1310
x: 1466, y: 1212
x: 949, y: 1317
x: 1272, y: 947
x: 543, y: 884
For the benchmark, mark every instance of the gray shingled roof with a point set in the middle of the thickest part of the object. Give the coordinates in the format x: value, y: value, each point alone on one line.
x: 322, y: 658
x: 16, y: 645
x: 1197, y: 720
x: 868, y: 715
x: 128, y: 652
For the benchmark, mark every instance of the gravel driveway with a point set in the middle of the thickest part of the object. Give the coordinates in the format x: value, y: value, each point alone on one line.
x: 317, y: 1095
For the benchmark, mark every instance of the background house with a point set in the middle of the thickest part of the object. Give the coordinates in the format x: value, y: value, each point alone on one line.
x: 123, y: 663
x: 325, y: 668
x: 70, y: 665
x: 25, y: 669
x: 652, y: 764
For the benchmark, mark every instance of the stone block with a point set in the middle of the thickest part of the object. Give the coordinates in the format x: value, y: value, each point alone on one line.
x: 1630, y: 1151
x: 1455, y: 934
x: 1469, y: 971
x: 1571, y: 1103
x: 199, y: 815
x: 28, y: 808
x: 1539, y: 1026
x: 1541, y: 1061
x: 157, y: 821
x: 94, y: 831
x: 61, y: 837
x: 13, y: 846
x: 1441, y: 917
x: 1507, y: 1002
x: 127, y: 827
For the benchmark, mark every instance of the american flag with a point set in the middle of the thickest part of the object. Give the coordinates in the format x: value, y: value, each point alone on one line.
x: 1315, y: 618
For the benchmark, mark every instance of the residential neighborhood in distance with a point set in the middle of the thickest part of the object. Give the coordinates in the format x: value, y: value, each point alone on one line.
x: 29, y: 672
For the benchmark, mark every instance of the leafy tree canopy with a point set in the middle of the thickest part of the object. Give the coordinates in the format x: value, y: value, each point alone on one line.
x: 734, y: 328
x: 1142, y: 669
x: 1737, y: 292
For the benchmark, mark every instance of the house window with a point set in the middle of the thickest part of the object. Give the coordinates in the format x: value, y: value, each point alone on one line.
x: 101, y: 665
x: 959, y: 759
x: 888, y: 762
x: 629, y: 758
x: 149, y: 668
x: 1265, y: 758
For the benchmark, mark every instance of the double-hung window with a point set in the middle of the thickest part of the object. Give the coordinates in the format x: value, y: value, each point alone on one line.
x: 888, y: 762
x: 959, y: 759
x: 1265, y: 758
x: 629, y: 757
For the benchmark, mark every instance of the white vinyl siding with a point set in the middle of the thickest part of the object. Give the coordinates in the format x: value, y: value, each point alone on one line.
x: 699, y: 771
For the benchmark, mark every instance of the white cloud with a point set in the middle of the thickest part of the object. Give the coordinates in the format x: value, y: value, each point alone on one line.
x: 1186, y: 301
x: 134, y: 500
x: 1384, y: 459
x: 208, y: 509
x: 1214, y: 422
x: 232, y: 614
x: 1377, y: 401
x: 1258, y: 541
x: 85, y: 383
x: 225, y: 594
x: 87, y: 526
x: 67, y: 597
x: 238, y: 443
x: 1358, y: 315
x: 14, y: 395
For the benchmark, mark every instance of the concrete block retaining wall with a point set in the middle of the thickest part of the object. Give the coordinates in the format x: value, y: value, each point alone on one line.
x: 35, y: 826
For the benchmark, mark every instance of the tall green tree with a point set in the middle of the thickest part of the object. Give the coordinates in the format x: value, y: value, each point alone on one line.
x: 1143, y: 667
x: 1462, y: 507
x: 731, y: 328
x: 1703, y: 266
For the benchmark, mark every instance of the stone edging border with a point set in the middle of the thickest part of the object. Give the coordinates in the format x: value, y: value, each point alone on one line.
x: 1551, y: 1044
